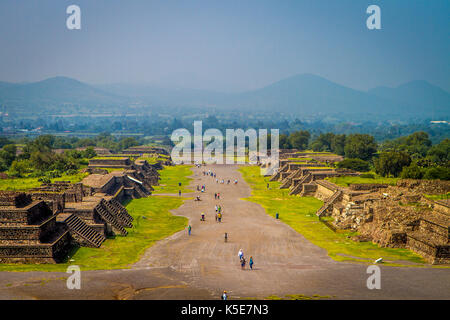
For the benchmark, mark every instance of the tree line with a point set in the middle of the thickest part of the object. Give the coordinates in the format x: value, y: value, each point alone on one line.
x: 413, y: 156
x: 37, y: 157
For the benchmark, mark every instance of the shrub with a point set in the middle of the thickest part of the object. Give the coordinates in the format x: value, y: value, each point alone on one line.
x: 412, y: 172
x: 44, y: 180
x: 368, y: 175
x: 442, y: 173
x: 354, y: 164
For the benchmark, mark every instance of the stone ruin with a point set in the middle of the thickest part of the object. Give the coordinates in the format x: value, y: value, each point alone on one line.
x: 392, y: 216
x: 146, y: 150
x: 298, y: 176
x: 136, y: 179
x: 42, y: 225
x: 30, y: 232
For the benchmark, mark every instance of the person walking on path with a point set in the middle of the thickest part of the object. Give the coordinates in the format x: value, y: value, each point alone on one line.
x: 215, y: 196
x: 226, y: 237
x: 218, y: 196
x: 243, y: 263
x: 219, y: 217
x: 179, y: 193
x: 240, y: 254
x: 250, y: 263
x: 189, y: 229
x: 224, y: 296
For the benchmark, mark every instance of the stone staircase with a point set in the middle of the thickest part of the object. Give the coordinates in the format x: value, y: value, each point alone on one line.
x: 84, y: 231
x: 432, y: 239
x: 121, y: 208
x: 110, y: 219
x: 329, y: 202
x: 122, y: 215
x: 295, y: 189
x: 276, y: 176
x: 287, y: 182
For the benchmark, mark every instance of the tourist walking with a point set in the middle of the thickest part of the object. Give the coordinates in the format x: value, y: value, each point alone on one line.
x: 219, y: 217
x: 189, y: 229
x: 224, y: 295
x: 226, y: 237
x: 179, y: 193
x: 240, y: 254
x: 243, y: 263
x: 250, y: 263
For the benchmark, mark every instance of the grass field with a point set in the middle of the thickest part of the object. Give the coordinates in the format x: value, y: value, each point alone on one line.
x: 299, y: 213
x: 171, y: 176
x: 444, y: 196
x: 346, y: 180
x: 23, y: 184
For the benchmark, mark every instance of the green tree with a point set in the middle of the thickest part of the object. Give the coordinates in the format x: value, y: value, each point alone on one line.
x: 284, y: 142
x: 412, y: 171
x: 8, y: 154
x: 441, y: 173
x: 20, y: 168
x: 299, y: 139
x: 440, y: 153
x: 391, y: 163
x: 361, y: 146
x: 323, y: 142
x: 338, y: 144
x: 354, y: 164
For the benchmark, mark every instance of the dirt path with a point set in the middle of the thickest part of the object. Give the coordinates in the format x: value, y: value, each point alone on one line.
x: 200, y: 266
x: 285, y: 262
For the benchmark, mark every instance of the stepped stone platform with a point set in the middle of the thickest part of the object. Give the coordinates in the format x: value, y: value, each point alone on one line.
x: 146, y: 150
x: 29, y: 232
x: 387, y: 215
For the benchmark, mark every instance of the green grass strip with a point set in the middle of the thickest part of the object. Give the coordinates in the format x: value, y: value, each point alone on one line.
x: 299, y: 213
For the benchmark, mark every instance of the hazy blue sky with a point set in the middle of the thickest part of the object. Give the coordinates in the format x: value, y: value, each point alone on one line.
x: 226, y: 45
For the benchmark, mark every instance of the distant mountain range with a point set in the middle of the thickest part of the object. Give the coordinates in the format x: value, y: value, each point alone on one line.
x: 305, y: 94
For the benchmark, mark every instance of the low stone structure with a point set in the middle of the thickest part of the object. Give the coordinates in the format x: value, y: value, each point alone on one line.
x: 296, y: 175
x: 146, y: 150
x: 391, y: 216
x: 110, y: 162
x: 29, y: 231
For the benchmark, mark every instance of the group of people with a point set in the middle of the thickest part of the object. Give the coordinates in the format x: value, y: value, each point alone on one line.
x: 202, y: 188
x: 209, y: 173
x: 243, y: 261
x: 218, y: 213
